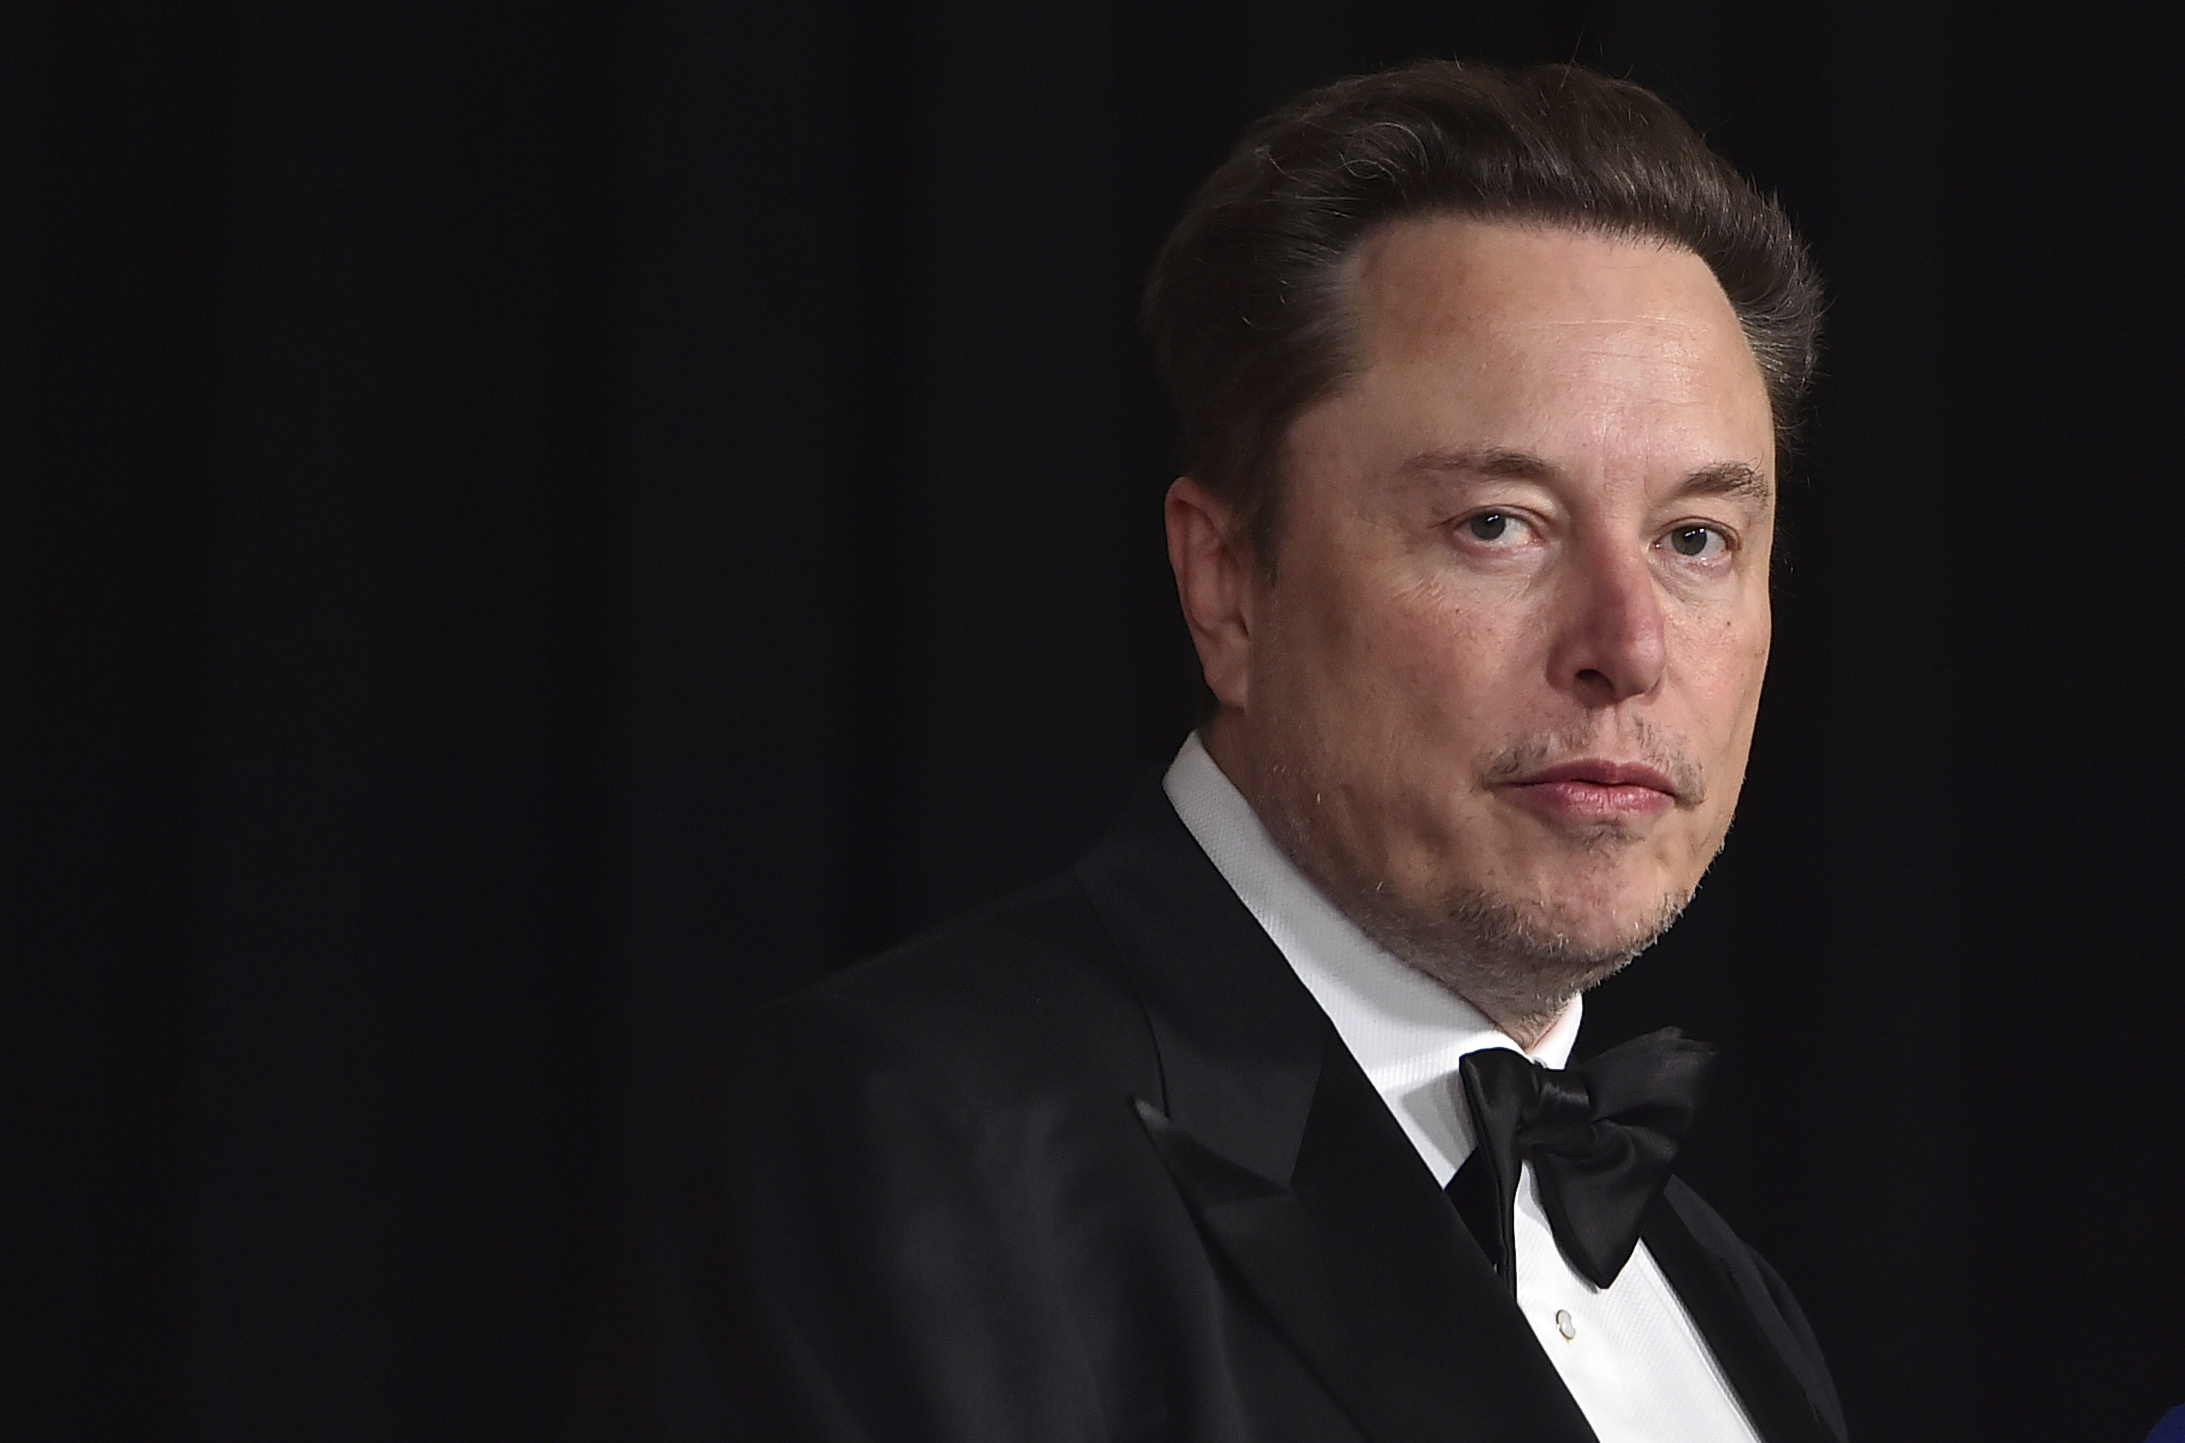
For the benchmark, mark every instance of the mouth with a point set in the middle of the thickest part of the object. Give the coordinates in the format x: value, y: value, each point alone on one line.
x: 1593, y: 789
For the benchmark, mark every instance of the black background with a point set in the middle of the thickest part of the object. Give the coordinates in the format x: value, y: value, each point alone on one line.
x: 528, y: 527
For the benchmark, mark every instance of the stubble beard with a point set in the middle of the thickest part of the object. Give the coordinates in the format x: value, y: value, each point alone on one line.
x: 1517, y: 961
x: 1515, y: 964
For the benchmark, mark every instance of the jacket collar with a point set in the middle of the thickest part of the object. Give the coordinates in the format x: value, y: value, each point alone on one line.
x: 1297, y: 1172
x: 1240, y: 1041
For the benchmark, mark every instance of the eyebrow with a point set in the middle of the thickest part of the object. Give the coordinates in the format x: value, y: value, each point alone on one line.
x: 1727, y: 478
x: 1490, y: 461
x: 1724, y: 478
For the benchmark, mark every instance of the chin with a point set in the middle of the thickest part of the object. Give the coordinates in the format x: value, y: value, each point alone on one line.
x: 1583, y: 929
x: 1518, y: 959
x: 1615, y: 939
x: 1608, y: 891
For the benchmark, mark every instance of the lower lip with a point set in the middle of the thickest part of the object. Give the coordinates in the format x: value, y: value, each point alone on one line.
x: 1589, y: 801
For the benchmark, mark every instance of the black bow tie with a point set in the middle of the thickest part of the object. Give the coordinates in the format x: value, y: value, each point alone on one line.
x: 1600, y: 1137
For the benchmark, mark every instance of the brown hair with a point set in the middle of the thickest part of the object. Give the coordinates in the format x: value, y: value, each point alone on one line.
x: 1246, y: 308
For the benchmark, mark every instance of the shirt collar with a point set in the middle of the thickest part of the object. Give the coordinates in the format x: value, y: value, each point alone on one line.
x: 1406, y: 1030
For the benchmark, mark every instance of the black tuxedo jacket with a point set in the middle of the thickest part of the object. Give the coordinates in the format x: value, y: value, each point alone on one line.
x: 1093, y: 1165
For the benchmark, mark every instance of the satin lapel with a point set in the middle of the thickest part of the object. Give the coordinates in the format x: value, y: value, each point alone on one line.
x: 1299, y: 1176
x: 1741, y: 1327
x: 1239, y: 1038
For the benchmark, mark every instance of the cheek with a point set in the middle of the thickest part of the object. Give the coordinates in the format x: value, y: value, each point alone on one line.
x: 1394, y: 662
x: 1428, y: 671
x: 1750, y: 663
x: 1320, y: 625
x: 1727, y: 661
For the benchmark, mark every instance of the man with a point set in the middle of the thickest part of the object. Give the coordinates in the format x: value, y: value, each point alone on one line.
x: 1236, y: 1130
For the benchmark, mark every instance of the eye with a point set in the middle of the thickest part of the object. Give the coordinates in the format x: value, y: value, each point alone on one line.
x: 1699, y: 542
x: 1494, y: 536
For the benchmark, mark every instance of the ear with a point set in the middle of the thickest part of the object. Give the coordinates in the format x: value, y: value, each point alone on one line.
x: 1216, y: 578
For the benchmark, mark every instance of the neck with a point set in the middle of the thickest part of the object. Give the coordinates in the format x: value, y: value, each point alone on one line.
x: 1527, y: 1028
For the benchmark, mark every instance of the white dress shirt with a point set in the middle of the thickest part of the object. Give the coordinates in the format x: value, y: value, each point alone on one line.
x: 1629, y: 1353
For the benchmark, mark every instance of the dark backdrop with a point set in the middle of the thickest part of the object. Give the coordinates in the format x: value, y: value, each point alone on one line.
x: 530, y: 526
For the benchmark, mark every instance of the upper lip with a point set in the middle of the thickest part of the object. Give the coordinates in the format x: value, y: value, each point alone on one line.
x: 1601, y: 773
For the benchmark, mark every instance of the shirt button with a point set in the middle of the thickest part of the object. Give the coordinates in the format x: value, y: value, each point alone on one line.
x: 1564, y: 1325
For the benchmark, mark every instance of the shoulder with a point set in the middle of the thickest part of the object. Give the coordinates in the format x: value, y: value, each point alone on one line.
x: 874, y: 1195
x: 1010, y: 957
x: 1021, y: 1004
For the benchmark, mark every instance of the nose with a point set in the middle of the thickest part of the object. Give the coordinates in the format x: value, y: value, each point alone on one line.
x: 1611, y: 643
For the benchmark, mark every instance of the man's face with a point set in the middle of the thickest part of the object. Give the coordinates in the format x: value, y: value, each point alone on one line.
x: 1500, y: 690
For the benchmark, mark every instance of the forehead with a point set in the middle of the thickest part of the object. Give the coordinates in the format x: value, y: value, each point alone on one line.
x: 1420, y: 278
x: 1559, y: 337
